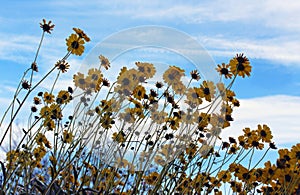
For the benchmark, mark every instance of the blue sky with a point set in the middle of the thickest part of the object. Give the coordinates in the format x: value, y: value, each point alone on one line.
x: 268, y: 32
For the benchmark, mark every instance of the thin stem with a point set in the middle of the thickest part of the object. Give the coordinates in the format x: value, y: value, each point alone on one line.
x: 55, y: 82
x: 36, y: 55
x: 261, y: 158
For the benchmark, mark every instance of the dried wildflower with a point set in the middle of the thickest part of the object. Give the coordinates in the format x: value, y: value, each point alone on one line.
x: 119, y: 137
x: 64, y: 96
x: 273, y: 146
x: 240, y: 65
x: 55, y: 111
x: 172, y: 75
x: 223, y: 70
x: 169, y: 136
x: 173, y: 122
x: 265, y: 133
x: 179, y: 88
x: 47, y: 27
x: 62, y: 65
x: 40, y: 139
x: 170, y: 99
x: 232, y: 140
x: 228, y: 117
x: 67, y: 137
x: 233, y: 149
x: 236, y: 102
x: 33, y: 109
x: 104, y: 62
x: 34, y: 67
x: 159, y: 85
x: 75, y: 44
x: 105, y: 82
x: 152, y: 178
x: 147, y: 69
x: 193, y: 96
x: 25, y: 85
x: 139, y: 92
x: 79, y: 80
x: 70, y: 90
x: 224, y: 176
x: 195, y: 75
x: 126, y: 81
x: 36, y: 100
x: 207, y: 90
x: 39, y: 153
x: 48, y: 97
x: 106, y: 121
x: 81, y: 34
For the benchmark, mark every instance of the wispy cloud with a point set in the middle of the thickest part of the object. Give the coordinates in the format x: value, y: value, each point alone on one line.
x: 273, y: 13
x: 21, y: 48
x: 16, y: 44
x: 279, y: 50
x: 269, y: 15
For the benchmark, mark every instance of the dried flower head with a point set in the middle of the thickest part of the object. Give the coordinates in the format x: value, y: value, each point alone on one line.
x: 105, y: 82
x: 223, y: 70
x: 81, y: 34
x: 75, y: 44
x: 36, y: 100
x: 104, y: 62
x: 67, y: 137
x: 195, y: 75
x: 240, y: 65
x: 25, y: 85
x: 62, y: 65
x: 172, y: 75
x: 34, y: 67
x: 159, y: 85
x: 47, y: 27
x: 147, y: 69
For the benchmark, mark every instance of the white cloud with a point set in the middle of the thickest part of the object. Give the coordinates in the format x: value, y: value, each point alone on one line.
x: 273, y: 13
x: 280, y: 50
x: 281, y: 113
x: 13, y: 45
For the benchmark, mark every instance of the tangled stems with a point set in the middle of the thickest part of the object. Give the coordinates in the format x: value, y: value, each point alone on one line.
x: 25, y: 73
x: 21, y: 104
x: 14, y: 99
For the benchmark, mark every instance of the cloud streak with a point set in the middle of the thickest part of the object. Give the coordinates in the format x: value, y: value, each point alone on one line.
x: 277, y: 19
x: 278, y: 50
